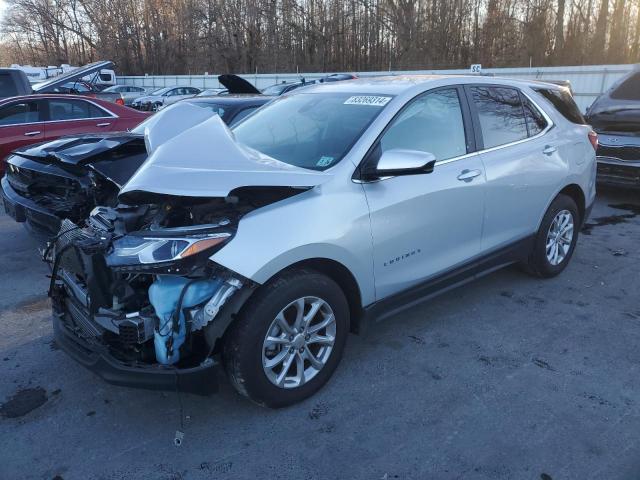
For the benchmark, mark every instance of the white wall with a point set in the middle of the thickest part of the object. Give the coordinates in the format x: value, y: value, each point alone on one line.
x: 587, y: 81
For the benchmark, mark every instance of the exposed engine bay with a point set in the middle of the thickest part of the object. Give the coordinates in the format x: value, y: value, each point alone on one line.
x: 137, y: 280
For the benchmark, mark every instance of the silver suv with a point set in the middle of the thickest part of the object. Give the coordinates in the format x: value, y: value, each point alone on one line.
x: 262, y: 247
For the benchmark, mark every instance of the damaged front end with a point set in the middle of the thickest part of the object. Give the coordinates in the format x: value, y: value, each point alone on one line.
x: 136, y: 298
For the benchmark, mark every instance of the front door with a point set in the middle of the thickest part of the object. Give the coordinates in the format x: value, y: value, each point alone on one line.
x: 426, y: 224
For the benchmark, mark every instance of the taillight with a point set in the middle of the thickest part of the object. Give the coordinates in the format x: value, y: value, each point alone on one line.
x: 593, y: 138
x: 120, y: 101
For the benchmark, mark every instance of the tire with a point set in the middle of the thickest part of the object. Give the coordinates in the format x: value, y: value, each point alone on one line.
x: 539, y: 262
x: 247, y: 351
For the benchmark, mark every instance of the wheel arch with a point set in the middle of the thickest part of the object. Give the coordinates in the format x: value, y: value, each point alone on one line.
x: 343, y: 277
x: 576, y: 193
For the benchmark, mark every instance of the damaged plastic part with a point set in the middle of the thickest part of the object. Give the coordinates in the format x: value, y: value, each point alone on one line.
x: 172, y: 296
x: 204, y: 315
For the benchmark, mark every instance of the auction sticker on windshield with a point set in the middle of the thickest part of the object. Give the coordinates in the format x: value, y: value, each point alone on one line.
x: 371, y: 100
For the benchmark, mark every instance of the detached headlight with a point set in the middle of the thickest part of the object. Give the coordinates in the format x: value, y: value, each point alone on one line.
x: 131, y: 249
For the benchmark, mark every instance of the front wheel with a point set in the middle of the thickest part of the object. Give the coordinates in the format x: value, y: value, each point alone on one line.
x: 288, y: 339
x: 556, y: 238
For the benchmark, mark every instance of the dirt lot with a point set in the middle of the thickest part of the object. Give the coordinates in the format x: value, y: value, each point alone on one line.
x: 507, y: 378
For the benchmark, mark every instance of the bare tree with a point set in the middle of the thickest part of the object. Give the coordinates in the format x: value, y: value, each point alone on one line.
x: 194, y: 36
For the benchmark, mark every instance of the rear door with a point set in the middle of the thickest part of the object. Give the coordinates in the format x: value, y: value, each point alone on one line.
x: 424, y: 225
x: 520, y: 159
x: 72, y: 116
x: 21, y: 123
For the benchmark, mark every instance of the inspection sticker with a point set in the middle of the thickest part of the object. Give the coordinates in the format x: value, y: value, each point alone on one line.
x: 372, y: 100
x: 324, y: 161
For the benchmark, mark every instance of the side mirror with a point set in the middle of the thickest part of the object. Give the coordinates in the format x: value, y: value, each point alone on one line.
x: 397, y: 162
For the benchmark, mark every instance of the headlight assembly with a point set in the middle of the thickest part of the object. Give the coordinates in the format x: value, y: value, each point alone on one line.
x: 132, y: 250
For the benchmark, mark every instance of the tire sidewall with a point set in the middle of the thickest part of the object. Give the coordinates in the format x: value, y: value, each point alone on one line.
x: 259, y: 315
x: 544, y: 267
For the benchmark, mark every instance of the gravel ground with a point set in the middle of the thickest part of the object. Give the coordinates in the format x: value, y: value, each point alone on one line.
x: 506, y: 378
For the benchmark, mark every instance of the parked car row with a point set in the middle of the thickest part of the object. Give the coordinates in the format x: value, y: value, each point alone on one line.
x: 256, y: 232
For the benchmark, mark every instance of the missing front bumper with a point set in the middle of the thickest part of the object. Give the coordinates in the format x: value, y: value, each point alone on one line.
x: 200, y: 380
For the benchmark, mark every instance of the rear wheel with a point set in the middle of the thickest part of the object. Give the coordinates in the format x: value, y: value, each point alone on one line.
x: 556, y: 238
x: 288, y: 339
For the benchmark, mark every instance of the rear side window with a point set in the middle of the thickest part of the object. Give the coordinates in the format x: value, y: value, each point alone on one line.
x: 536, y: 122
x: 629, y: 89
x: 500, y: 114
x: 563, y: 101
x: 19, y: 113
x: 73, y: 110
x: 7, y: 86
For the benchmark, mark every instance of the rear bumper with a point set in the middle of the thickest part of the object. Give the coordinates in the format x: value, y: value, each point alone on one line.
x: 201, y: 380
x: 613, y: 171
x: 40, y: 220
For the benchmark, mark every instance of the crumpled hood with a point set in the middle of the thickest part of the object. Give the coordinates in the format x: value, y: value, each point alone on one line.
x: 76, y: 149
x: 206, y: 161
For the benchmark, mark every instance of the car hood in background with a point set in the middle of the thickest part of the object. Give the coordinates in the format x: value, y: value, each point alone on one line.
x: 236, y: 84
x: 206, y: 161
x: 74, y: 75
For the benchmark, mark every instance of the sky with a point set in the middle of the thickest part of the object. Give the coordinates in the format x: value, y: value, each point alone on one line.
x: 3, y: 5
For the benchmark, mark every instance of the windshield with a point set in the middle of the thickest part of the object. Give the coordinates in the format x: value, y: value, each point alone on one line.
x: 160, y: 91
x: 276, y: 89
x: 211, y: 91
x: 310, y: 130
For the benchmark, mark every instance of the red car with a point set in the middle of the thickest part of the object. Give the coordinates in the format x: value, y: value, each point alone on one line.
x: 38, y: 118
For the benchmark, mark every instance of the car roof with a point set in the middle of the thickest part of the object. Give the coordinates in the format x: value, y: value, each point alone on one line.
x: 42, y: 96
x: 113, y: 107
x: 398, y: 84
x: 231, y: 99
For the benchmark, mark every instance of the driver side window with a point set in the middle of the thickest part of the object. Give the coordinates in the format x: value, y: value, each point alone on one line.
x: 430, y: 123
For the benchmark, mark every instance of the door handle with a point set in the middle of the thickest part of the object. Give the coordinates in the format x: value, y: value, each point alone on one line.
x: 548, y: 150
x: 468, y: 175
x: 105, y: 124
x: 31, y: 134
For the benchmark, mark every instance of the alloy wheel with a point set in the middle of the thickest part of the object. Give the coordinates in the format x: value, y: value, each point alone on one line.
x: 559, y: 237
x: 299, y: 342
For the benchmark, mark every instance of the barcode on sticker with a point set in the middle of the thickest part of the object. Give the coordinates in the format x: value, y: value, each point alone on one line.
x: 368, y: 100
